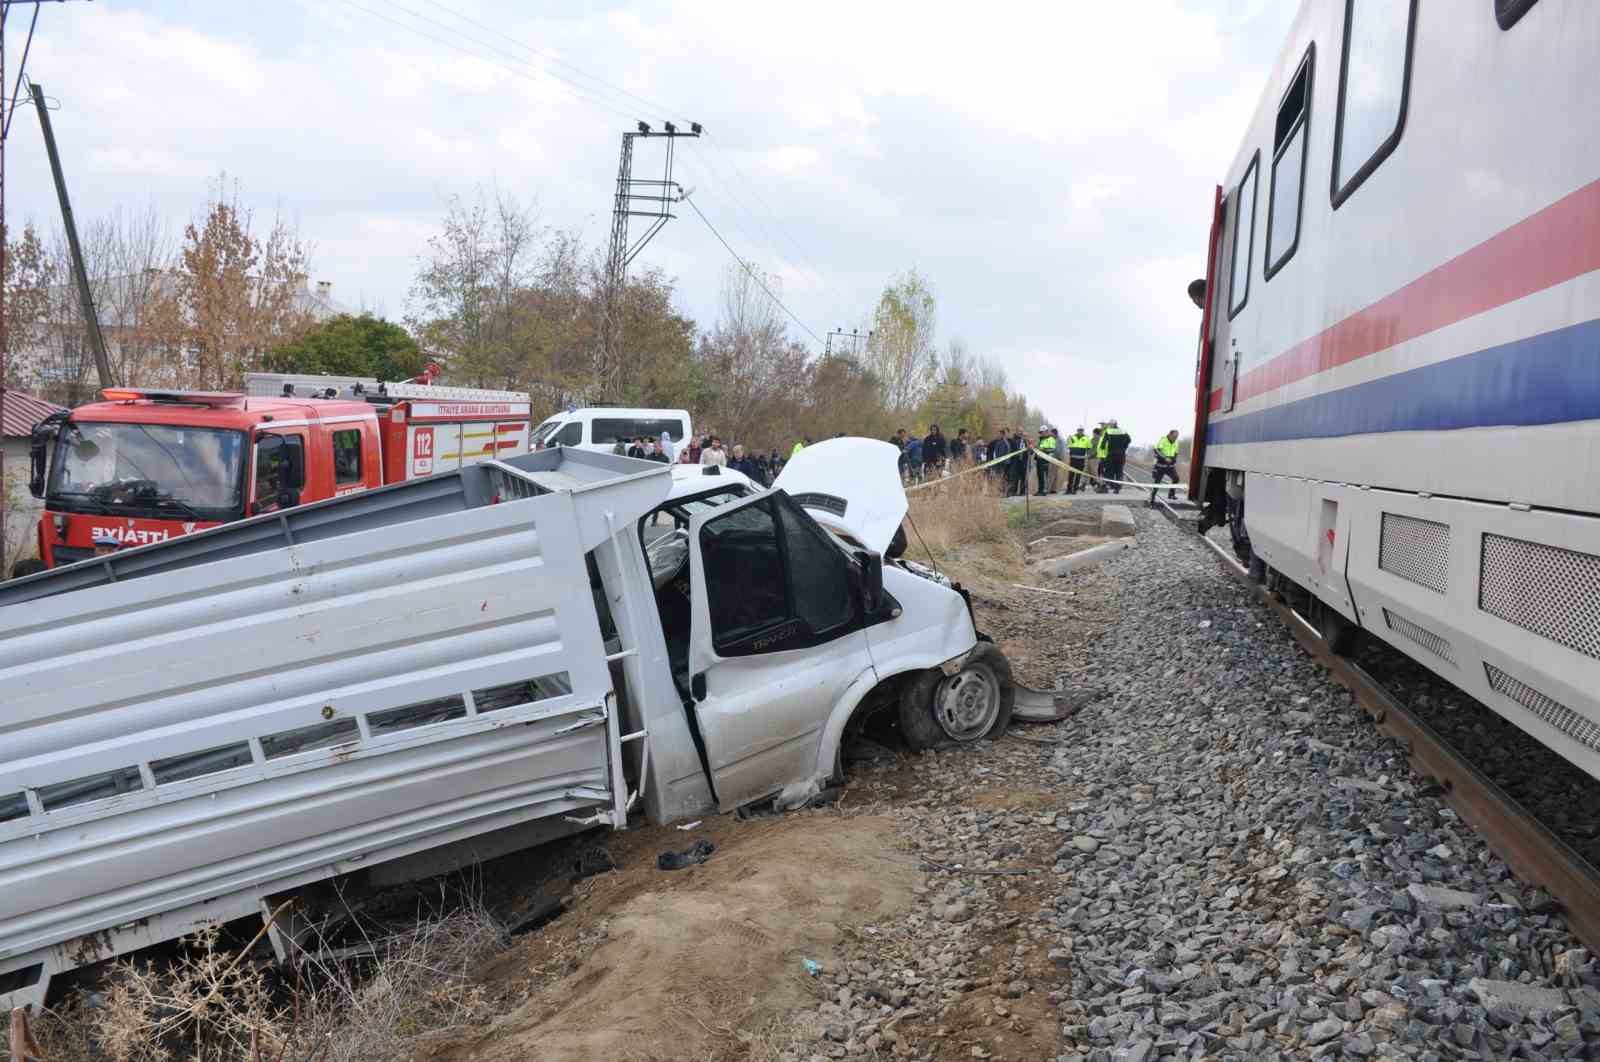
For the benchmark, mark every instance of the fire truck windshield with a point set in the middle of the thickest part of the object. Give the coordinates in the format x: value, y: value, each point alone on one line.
x: 151, y: 470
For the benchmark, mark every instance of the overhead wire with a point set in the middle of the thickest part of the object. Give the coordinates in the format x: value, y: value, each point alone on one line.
x: 725, y: 182
x: 483, y: 58
x: 589, y: 95
x: 760, y: 282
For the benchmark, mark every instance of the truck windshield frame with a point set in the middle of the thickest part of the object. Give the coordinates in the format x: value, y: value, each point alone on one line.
x: 152, y: 471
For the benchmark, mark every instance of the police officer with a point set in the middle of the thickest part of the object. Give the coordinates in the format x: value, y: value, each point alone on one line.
x: 1077, y: 453
x: 1115, y: 443
x: 1046, y: 445
x: 1166, y: 463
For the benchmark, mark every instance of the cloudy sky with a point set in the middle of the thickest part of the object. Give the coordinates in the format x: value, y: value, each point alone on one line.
x: 1048, y: 166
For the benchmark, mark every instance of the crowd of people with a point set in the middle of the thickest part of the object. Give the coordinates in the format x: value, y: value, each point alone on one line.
x: 707, y: 449
x: 1095, y: 460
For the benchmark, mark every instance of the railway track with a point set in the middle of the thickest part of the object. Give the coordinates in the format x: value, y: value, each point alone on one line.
x: 1530, y: 848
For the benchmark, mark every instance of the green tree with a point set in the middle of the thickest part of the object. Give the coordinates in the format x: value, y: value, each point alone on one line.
x: 351, y: 346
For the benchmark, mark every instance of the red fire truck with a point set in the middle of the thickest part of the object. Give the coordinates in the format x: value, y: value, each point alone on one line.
x: 146, y: 465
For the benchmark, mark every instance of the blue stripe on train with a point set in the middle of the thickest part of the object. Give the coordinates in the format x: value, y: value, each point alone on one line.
x: 1545, y: 379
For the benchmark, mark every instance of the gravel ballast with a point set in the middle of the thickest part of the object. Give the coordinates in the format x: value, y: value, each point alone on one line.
x: 1219, y: 857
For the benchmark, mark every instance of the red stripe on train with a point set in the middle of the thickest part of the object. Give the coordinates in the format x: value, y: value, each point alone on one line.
x: 1560, y: 242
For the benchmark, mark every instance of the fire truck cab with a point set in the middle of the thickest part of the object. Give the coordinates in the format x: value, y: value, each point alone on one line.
x: 147, y: 465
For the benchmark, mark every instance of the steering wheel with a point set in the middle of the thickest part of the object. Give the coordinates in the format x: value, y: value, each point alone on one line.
x: 668, y: 555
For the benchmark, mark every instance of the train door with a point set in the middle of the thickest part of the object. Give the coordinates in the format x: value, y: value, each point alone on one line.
x: 1202, y: 383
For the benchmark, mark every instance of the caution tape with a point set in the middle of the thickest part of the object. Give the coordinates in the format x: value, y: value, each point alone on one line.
x: 964, y: 472
x: 1043, y: 456
x: 1102, y: 479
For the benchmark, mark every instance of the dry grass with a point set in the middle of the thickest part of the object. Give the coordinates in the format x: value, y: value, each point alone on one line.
x: 960, y: 512
x: 219, y: 1005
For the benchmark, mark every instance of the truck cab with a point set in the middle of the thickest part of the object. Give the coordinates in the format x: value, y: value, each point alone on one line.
x: 145, y: 466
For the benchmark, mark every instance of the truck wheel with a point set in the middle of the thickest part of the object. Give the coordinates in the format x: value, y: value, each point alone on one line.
x: 973, y: 704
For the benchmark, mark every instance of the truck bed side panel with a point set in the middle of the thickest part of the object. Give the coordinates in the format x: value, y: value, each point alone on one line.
x: 230, y: 724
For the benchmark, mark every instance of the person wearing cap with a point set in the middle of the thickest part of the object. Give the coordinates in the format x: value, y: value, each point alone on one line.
x: 1114, y: 442
x: 104, y: 543
x: 1078, y: 446
x: 1044, y: 470
x: 1166, y: 464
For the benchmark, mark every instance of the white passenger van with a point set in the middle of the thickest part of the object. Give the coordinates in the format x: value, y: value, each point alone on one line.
x: 599, y: 428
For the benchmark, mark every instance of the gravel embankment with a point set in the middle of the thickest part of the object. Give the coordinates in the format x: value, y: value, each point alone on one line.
x: 1218, y: 859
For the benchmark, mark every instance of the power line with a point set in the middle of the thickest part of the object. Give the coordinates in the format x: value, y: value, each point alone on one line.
x: 752, y: 273
x: 764, y: 242
x: 483, y: 58
x: 755, y: 191
x: 585, y: 93
x: 767, y: 241
x: 652, y: 104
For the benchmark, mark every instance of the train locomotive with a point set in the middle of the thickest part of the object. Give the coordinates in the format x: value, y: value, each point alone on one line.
x: 1398, y: 375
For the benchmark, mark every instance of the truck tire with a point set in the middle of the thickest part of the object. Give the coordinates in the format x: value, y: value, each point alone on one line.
x: 974, y: 704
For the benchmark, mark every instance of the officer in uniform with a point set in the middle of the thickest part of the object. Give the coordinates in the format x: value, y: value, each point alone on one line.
x: 1077, y: 453
x: 1114, y: 443
x: 1166, y: 463
x: 1046, y: 445
x: 1100, y: 453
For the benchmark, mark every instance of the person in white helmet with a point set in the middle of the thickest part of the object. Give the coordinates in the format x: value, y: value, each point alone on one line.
x: 1044, y: 470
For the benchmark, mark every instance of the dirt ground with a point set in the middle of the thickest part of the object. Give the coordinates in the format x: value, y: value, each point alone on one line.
x: 705, y: 962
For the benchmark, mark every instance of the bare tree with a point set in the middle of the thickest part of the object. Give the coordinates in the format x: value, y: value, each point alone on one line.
x: 468, y: 300
x: 236, y: 293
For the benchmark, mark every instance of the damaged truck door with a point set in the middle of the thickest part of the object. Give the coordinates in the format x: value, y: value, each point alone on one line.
x: 777, y: 637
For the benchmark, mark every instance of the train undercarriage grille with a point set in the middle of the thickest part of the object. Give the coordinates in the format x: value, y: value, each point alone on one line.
x: 1552, y: 711
x: 1553, y: 592
x: 1433, y: 643
x: 1417, y: 550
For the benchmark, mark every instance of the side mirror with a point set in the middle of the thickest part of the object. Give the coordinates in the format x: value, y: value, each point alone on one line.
x: 44, y: 433
x: 871, y: 576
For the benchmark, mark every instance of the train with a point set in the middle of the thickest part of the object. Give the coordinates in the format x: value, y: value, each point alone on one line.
x: 1397, y: 406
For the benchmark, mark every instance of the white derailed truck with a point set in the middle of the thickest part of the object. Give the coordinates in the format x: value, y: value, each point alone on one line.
x: 442, y: 670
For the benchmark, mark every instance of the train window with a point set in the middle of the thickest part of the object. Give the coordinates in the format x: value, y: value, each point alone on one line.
x: 1287, y: 188
x: 1244, y: 208
x: 1373, y: 88
x: 1506, y: 12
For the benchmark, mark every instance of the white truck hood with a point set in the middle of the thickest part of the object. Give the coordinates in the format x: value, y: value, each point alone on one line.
x: 851, y: 485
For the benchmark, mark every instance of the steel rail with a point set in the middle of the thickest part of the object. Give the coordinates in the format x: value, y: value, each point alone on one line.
x: 1535, y: 854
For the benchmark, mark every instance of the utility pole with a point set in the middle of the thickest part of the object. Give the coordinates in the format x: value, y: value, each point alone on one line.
x: 91, y: 319
x: 608, y: 359
x: 8, y: 107
x: 854, y: 337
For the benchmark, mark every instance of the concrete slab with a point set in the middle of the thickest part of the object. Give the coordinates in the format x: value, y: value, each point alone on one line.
x: 1116, y: 521
x: 1083, y: 558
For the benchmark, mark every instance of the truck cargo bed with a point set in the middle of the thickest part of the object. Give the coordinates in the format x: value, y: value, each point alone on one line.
x: 192, y: 726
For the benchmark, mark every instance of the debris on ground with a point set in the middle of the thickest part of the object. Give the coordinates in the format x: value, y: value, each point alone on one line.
x: 695, y: 854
